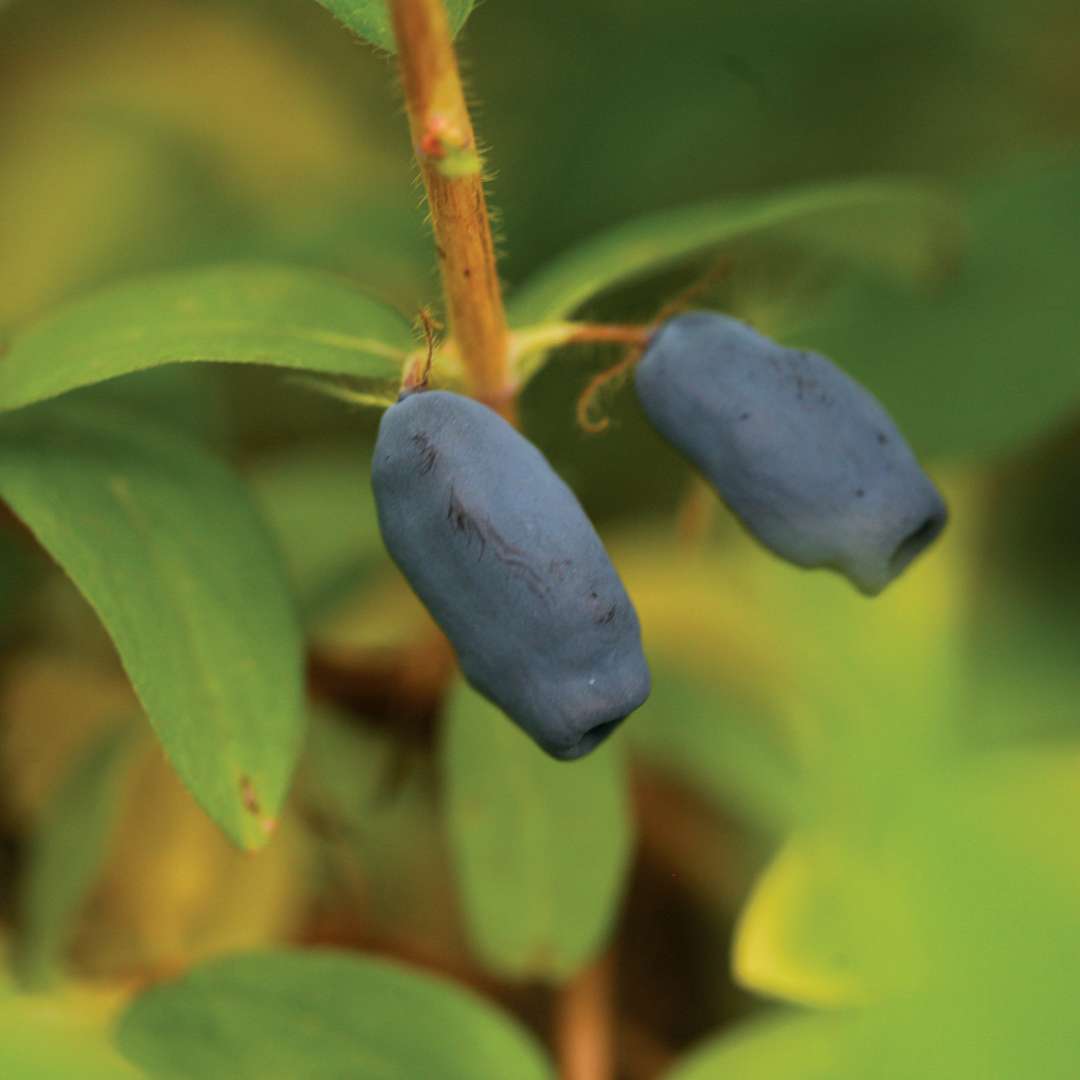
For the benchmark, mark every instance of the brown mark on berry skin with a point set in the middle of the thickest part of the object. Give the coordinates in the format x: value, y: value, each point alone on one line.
x: 559, y: 568
x: 471, y: 525
x: 601, y: 615
x: 463, y: 522
x: 429, y: 454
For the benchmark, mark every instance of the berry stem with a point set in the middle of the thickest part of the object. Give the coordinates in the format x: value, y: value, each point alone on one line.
x: 528, y: 344
x: 445, y: 148
x: 551, y: 335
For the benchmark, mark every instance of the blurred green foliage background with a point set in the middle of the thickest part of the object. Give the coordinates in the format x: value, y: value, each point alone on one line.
x: 846, y: 845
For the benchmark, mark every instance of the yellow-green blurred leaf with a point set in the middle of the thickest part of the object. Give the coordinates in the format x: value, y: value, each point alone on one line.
x: 778, y: 1048
x: 802, y: 934
x: 67, y: 851
x: 541, y: 847
x: 986, y: 358
x: 724, y: 745
x: 322, y: 1016
x: 58, y: 1037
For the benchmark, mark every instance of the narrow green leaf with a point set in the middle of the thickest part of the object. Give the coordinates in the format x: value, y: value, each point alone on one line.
x: 898, y: 225
x: 67, y: 849
x: 321, y: 1016
x: 318, y: 503
x: 987, y: 358
x: 165, y: 544
x: 241, y: 314
x: 541, y: 847
x: 371, y: 18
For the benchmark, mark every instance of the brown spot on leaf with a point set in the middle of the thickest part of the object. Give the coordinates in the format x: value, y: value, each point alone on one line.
x: 247, y: 794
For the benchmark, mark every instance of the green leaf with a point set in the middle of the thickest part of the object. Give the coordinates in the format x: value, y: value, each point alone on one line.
x: 898, y: 225
x: 322, y: 1016
x: 318, y: 503
x: 371, y: 18
x: 725, y: 746
x: 386, y: 818
x: 242, y: 314
x: 799, y: 934
x: 165, y: 544
x: 541, y: 847
x: 986, y: 359
x: 782, y: 1047
x: 66, y: 852
x: 57, y: 1037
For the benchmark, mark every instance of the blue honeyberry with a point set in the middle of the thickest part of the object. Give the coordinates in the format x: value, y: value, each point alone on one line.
x: 806, y: 458
x: 501, y: 553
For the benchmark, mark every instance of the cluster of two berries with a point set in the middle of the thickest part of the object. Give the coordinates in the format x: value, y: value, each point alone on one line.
x: 500, y: 551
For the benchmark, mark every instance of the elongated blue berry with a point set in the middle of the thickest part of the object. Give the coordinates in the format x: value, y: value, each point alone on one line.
x: 500, y: 551
x: 806, y: 457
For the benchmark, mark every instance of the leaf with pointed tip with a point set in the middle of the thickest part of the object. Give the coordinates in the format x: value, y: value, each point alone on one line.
x: 797, y: 936
x: 165, y: 544
x: 241, y: 314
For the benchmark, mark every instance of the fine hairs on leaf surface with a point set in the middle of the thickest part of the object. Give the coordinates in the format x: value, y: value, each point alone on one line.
x: 165, y: 543
x: 320, y: 1015
x: 241, y: 314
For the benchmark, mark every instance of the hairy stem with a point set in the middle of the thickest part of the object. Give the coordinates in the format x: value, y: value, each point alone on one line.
x: 445, y: 148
